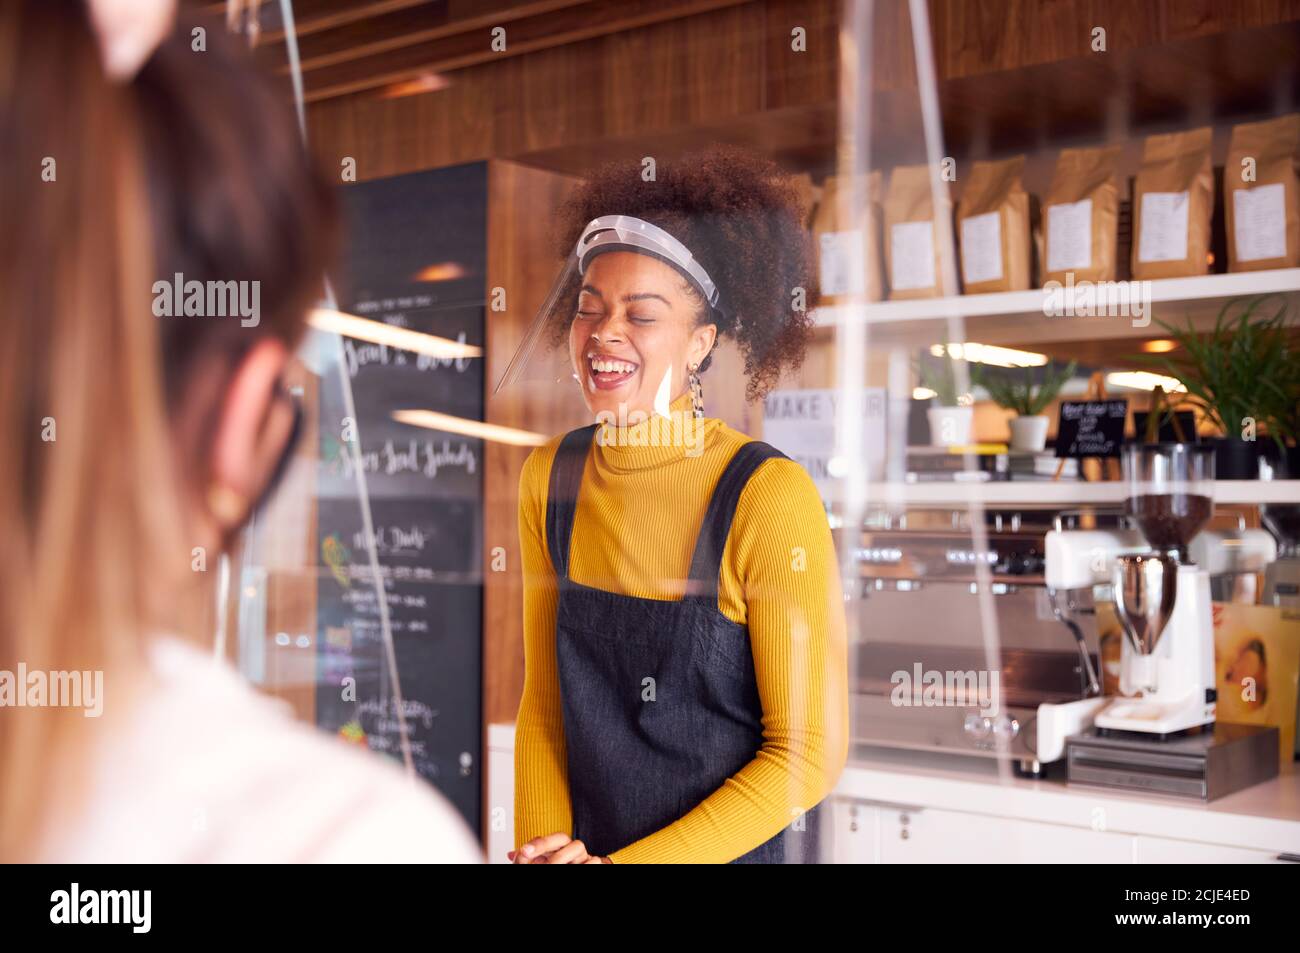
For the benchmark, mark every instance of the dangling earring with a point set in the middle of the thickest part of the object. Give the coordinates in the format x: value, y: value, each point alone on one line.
x: 697, y: 392
x: 228, y: 507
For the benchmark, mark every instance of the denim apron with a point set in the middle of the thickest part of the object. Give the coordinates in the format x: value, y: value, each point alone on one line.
x: 660, y: 700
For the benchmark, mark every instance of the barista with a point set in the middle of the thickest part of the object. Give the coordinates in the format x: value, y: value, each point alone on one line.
x: 685, y: 695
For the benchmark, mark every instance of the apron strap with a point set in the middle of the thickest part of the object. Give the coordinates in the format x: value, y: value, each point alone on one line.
x: 562, y: 495
x: 706, y: 564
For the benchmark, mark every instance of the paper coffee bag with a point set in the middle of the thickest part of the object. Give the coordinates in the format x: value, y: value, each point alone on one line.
x: 848, y: 240
x: 1081, y: 215
x: 1260, y: 195
x: 1173, y: 199
x: 993, y: 228
x: 911, y: 239
x: 1256, y: 662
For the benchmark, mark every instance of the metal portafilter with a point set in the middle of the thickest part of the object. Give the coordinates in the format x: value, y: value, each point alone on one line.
x: 1283, y: 521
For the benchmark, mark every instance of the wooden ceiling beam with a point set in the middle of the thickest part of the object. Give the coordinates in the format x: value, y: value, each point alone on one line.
x: 415, y: 25
x: 443, y: 49
x: 331, y: 15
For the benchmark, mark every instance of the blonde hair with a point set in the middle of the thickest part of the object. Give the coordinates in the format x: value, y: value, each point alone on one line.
x: 94, y: 207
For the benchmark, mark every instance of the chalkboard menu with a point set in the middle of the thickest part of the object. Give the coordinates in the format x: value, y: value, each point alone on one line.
x: 1166, y: 432
x: 416, y: 259
x: 1091, y: 428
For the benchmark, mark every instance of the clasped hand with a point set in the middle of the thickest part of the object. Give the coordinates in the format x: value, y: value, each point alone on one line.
x: 555, y: 849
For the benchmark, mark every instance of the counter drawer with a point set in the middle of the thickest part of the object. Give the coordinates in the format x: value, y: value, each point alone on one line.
x: 1158, y: 850
x: 932, y: 836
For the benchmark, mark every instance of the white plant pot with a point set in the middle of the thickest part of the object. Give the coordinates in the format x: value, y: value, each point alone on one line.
x: 1029, y: 433
x: 950, y: 426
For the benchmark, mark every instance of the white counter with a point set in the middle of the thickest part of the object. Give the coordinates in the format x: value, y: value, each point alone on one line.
x: 959, y: 809
x: 1265, y: 817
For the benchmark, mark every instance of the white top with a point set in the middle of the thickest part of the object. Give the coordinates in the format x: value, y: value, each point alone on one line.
x: 209, y: 770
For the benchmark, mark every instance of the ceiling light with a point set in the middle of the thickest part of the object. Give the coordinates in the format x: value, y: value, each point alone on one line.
x: 377, y: 332
x: 424, y: 83
x: 1143, y: 380
x: 1159, y: 346
x: 442, y: 271
x: 990, y: 354
x: 432, y: 420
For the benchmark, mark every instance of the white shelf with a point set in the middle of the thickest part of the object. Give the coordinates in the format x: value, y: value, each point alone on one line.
x: 1002, y: 313
x: 1061, y: 493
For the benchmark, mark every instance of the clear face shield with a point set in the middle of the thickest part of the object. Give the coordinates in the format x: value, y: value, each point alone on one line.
x: 303, y: 558
x: 354, y: 592
x: 586, y: 332
x: 346, y: 595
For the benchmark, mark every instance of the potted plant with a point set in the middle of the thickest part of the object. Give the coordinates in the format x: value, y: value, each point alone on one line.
x: 1288, y: 422
x: 950, y: 422
x: 1241, y: 376
x: 1019, y: 393
x: 1290, y: 426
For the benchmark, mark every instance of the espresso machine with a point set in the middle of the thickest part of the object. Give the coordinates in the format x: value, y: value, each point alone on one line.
x: 1282, y: 577
x: 920, y: 570
x: 1058, y: 646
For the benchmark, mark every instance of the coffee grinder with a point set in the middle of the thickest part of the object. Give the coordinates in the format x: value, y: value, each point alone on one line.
x: 1167, y: 679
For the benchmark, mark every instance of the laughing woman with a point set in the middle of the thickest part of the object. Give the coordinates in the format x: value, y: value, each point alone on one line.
x: 685, y: 691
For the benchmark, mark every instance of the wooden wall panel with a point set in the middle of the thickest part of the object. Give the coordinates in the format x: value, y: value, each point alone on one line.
x: 521, y: 260
x: 694, y: 71
x: 681, y: 73
x: 728, y: 74
x: 1188, y: 18
x: 993, y: 35
x: 800, y: 79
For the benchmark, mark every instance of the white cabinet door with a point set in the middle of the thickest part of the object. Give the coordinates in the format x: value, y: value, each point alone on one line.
x: 930, y: 836
x: 500, y: 806
x: 1158, y: 850
x: 852, y: 831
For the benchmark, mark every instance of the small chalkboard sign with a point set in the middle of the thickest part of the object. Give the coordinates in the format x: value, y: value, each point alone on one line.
x: 1091, y: 428
x: 1167, y: 432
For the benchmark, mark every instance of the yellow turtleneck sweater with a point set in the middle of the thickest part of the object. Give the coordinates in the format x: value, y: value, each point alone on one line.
x: 637, y: 519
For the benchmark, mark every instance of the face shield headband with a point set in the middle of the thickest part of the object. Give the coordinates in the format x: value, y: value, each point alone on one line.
x: 627, y: 233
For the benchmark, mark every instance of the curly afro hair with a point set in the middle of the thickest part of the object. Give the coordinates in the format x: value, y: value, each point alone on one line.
x: 740, y: 216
